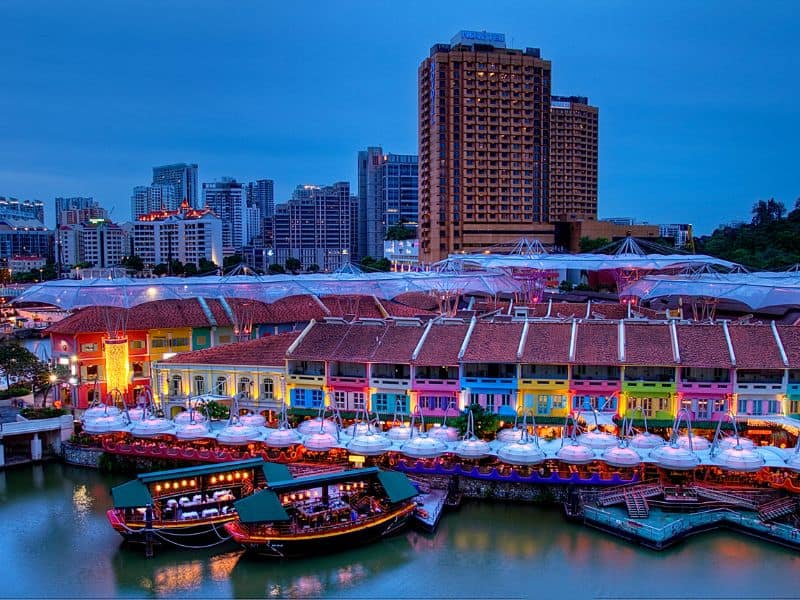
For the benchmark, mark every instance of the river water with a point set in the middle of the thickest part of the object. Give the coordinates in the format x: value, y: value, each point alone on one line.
x: 57, y: 543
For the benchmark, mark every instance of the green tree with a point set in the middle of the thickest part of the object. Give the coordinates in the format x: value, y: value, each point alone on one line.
x: 190, y: 269
x: 275, y: 269
x: 17, y: 361
x: 368, y: 263
x: 486, y: 422
x: 400, y: 232
x: 160, y: 269
x: 313, y: 268
x: 206, y: 266
x: 231, y: 261
x: 587, y: 244
x: 293, y: 265
x: 133, y: 262
x: 217, y: 411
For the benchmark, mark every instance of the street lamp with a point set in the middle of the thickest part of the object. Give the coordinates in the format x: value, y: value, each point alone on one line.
x: 53, y: 378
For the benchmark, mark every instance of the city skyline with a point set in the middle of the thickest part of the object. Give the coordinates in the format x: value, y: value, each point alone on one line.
x: 688, y: 133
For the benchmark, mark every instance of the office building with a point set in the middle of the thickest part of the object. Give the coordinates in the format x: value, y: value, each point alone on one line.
x: 24, y: 237
x: 183, y: 178
x: 11, y: 208
x: 261, y: 193
x: 679, y: 233
x: 152, y: 198
x: 484, y: 145
x: 187, y: 235
x: 573, y: 158
x: 387, y: 196
x: 98, y: 243
x: 226, y: 198
x: 317, y: 226
x: 78, y: 209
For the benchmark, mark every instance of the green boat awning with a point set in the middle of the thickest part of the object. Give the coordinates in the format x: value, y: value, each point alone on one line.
x: 276, y: 472
x: 133, y: 494
x: 302, y: 483
x: 271, y: 471
x: 397, y: 486
x: 261, y: 507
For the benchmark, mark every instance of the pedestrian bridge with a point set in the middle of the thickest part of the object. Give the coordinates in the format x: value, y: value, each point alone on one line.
x: 31, y: 440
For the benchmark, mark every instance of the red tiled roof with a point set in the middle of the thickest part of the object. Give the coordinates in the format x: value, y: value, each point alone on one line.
x: 395, y: 309
x: 754, y: 347
x: 398, y: 344
x: 648, y: 344
x: 297, y: 309
x: 442, y: 345
x: 493, y: 342
x: 268, y: 351
x: 790, y: 336
x: 92, y: 319
x: 421, y: 300
x: 597, y: 343
x: 352, y: 306
x: 703, y: 346
x: 321, y: 342
x: 547, y: 343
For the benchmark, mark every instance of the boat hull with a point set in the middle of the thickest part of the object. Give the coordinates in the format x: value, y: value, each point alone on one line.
x: 313, y: 544
x: 175, y: 534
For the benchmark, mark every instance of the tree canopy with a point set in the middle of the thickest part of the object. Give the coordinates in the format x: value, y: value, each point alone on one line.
x: 771, y: 240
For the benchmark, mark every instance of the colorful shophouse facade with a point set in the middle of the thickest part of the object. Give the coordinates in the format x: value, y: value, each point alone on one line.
x: 550, y: 367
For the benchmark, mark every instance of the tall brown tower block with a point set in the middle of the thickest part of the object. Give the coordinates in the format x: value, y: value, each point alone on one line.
x: 573, y: 159
x: 484, y: 145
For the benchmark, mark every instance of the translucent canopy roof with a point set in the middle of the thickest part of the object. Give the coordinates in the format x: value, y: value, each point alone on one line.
x: 598, y: 439
x: 369, y: 444
x: 320, y: 442
x: 646, y: 440
x: 252, y: 419
x: 152, y: 426
x: 400, y: 432
x: 472, y: 448
x: 283, y: 437
x: 106, y: 424
x: 316, y: 425
x: 100, y: 410
x: 125, y: 292
x: 740, y: 459
x: 193, y: 431
x: 521, y: 452
x: 590, y: 262
x: 443, y: 433
x: 238, y: 434
x: 755, y: 290
x: 695, y: 443
x: 422, y: 446
x: 672, y: 456
x: 509, y: 434
x: 575, y: 453
x: 622, y: 456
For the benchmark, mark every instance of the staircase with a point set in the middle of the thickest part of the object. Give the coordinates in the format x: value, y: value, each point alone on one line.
x: 637, y: 505
x: 777, y: 508
x: 726, y: 497
x: 618, y: 495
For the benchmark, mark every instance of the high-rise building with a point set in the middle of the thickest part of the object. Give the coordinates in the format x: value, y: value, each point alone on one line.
x: 261, y: 193
x: 99, y: 242
x: 182, y: 177
x: 227, y: 199
x: 484, y: 145
x: 317, y: 226
x: 573, y: 158
x: 186, y: 235
x: 11, y: 208
x: 151, y: 198
x: 24, y: 237
x: 387, y: 196
x: 77, y: 209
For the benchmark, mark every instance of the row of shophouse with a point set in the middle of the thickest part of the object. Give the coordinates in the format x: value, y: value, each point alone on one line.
x: 155, y: 331
x: 549, y: 367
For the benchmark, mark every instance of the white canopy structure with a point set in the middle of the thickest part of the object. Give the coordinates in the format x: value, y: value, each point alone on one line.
x: 755, y: 290
x: 70, y: 294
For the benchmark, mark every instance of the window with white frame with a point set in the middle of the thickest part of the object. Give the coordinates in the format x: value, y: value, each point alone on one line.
x: 359, y: 401
x: 245, y: 386
x: 199, y: 385
x: 340, y: 399
x: 176, y: 385
x: 221, y: 387
x: 267, y: 389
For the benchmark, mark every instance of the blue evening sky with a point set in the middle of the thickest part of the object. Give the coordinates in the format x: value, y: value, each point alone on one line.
x: 698, y: 100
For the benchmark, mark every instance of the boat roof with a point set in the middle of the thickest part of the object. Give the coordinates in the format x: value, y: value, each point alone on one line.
x: 272, y: 471
x: 265, y: 505
x: 133, y: 494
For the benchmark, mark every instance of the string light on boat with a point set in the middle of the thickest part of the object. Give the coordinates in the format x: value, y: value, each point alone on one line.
x: 184, y: 483
x: 158, y: 488
x: 214, y: 479
x: 245, y: 475
x: 192, y: 483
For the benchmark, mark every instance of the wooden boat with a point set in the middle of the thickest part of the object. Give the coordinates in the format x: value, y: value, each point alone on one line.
x: 181, y: 506
x: 323, y: 513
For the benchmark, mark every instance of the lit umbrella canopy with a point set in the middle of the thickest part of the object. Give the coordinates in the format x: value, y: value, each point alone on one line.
x: 237, y: 434
x: 106, y: 424
x: 152, y: 426
x: 193, y: 431
x: 739, y: 459
x: 423, y: 446
x: 622, y: 456
x: 672, y: 456
x: 369, y: 444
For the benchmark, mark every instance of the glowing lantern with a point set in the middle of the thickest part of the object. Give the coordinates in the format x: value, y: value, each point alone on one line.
x: 117, y: 365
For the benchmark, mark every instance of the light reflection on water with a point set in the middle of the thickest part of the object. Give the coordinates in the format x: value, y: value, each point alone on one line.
x: 57, y: 542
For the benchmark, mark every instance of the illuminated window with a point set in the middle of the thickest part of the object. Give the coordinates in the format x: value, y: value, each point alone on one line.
x: 221, y: 387
x: 199, y: 385
x: 359, y: 400
x: 267, y: 389
x: 176, y: 385
x: 89, y: 347
x: 245, y: 385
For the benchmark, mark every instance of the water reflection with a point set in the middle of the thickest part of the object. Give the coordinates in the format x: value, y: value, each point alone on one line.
x: 321, y: 576
x: 57, y: 542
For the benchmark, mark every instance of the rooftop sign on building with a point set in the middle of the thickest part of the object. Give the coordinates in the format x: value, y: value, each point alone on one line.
x: 470, y: 38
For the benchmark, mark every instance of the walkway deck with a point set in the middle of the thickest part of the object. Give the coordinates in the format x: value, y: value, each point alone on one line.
x: 433, y: 503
